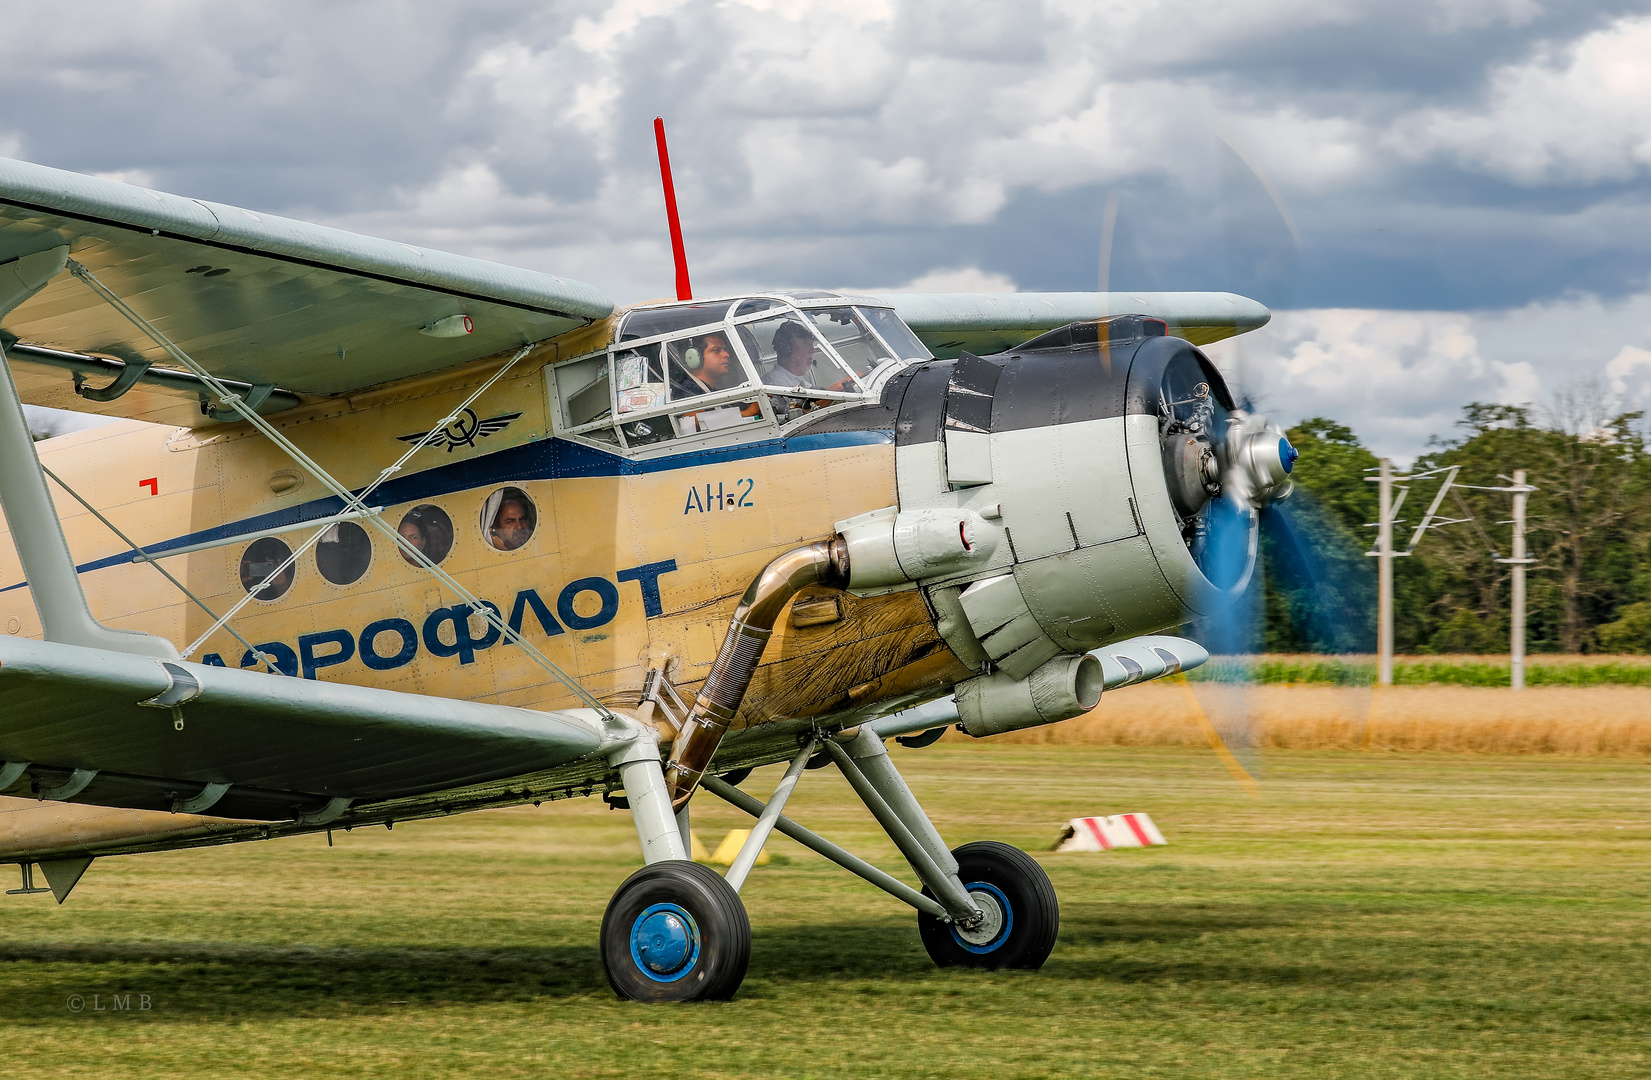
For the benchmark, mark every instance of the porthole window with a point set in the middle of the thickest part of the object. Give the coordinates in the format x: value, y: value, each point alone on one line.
x: 343, y: 553
x: 429, y: 529
x: 508, y: 519
x: 258, y: 566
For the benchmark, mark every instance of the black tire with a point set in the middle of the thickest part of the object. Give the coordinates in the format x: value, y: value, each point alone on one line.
x: 693, y: 922
x: 1008, y: 878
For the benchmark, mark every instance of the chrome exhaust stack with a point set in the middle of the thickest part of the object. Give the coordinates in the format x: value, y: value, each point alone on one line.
x: 822, y: 563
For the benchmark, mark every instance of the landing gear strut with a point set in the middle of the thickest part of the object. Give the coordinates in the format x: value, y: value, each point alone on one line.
x: 985, y: 905
x: 676, y: 931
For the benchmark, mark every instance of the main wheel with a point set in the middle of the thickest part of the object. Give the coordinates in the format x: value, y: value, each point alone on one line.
x: 675, y: 931
x: 1022, y: 913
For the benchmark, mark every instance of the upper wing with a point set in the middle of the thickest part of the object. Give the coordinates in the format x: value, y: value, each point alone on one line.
x: 986, y: 323
x: 254, y: 298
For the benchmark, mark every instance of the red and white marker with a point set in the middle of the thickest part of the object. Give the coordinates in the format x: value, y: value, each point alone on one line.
x: 1106, y: 833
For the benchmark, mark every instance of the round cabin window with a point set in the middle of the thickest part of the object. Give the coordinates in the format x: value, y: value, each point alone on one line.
x: 508, y: 519
x: 428, y: 528
x: 343, y: 553
x: 258, y: 566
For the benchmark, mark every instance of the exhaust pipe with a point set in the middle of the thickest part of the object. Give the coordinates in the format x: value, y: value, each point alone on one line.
x: 1060, y: 689
x: 821, y: 563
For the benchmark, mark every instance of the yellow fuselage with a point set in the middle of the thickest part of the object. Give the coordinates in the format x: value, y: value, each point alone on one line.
x: 629, y: 567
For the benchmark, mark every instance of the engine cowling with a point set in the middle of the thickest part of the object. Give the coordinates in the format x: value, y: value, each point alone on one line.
x: 1093, y: 485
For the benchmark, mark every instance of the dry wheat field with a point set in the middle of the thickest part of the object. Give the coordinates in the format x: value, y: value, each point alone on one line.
x: 1586, y: 721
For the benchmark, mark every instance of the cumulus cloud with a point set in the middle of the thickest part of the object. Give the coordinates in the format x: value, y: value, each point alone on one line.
x: 1430, y: 155
x: 1629, y: 373
x: 963, y: 279
x: 1401, y: 377
x: 1574, y: 114
x: 1577, y: 114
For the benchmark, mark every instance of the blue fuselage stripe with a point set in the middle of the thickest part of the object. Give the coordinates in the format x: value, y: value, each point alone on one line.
x: 550, y: 459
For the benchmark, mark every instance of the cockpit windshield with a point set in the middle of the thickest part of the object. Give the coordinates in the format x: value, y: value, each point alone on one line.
x: 651, y: 322
x: 851, y: 338
x: 686, y: 369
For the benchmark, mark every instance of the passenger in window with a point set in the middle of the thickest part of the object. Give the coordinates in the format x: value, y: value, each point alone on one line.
x: 278, y: 586
x: 513, y: 519
x: 428, y: 528
x: 414, y: 533
x: 438, y: 531
x: 258, y: 566
x: 512, y: 527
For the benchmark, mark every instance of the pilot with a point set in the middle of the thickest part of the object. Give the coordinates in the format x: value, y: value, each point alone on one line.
x: 715, y: 371
x: 512, y: 525
x: 709, y: 372
x: 794, y: 360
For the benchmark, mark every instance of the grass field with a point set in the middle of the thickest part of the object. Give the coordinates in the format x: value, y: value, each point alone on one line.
x: 1372, y: 915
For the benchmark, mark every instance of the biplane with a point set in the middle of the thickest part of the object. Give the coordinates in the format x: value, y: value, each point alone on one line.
x: 380, y: 533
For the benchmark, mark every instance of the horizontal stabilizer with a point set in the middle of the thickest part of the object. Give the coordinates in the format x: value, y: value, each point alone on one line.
x: 985, y: 323
x: 284, y: 746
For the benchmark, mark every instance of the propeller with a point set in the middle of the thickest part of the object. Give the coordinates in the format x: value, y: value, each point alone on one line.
x: 1277, y: 565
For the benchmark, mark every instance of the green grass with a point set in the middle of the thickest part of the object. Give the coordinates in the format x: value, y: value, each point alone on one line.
x: 1372, y: 916
x: 1424, y: 670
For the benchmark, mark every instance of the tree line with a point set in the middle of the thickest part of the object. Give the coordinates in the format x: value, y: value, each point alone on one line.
x: 1588, y: 534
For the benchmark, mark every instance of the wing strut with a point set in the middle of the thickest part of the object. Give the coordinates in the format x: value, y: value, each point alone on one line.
x: 352, y: 501
x: 53, y: 581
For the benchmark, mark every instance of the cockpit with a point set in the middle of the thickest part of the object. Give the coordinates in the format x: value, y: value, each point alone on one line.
x: 716, y: 371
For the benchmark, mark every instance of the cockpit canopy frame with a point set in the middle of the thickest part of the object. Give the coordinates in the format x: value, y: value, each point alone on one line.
x: 730, y: 369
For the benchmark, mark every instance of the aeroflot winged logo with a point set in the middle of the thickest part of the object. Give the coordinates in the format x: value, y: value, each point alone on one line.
x: 464, y: 431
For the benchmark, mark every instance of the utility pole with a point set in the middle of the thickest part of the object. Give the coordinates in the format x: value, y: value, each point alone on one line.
x: 1517, y: 637
x: 1387, y: 513
x: 1384, y: 577
x: 1521, y: 491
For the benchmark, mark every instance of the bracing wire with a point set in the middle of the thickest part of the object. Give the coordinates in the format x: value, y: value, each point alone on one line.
x: 351, y: 500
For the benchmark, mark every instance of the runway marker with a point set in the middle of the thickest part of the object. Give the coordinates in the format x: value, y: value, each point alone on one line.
x: 1106, y: 833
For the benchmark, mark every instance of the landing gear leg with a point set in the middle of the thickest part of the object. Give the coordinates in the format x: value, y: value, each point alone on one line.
x: 1001, y: 910
x: 675, y: 930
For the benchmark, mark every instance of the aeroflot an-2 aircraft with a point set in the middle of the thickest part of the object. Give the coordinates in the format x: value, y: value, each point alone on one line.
x: 387, y: 533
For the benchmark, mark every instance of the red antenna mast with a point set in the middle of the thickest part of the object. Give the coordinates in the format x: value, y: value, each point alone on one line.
x: 684, y: 291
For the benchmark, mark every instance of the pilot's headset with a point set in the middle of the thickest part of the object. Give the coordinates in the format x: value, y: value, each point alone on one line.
x: 692, y: 359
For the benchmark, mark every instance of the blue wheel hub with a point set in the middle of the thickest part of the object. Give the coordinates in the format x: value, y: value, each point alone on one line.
x: 998, y: 919
x: 664, y: 942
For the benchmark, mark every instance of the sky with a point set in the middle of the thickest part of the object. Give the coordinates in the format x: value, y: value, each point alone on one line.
x: 1443, y: 201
